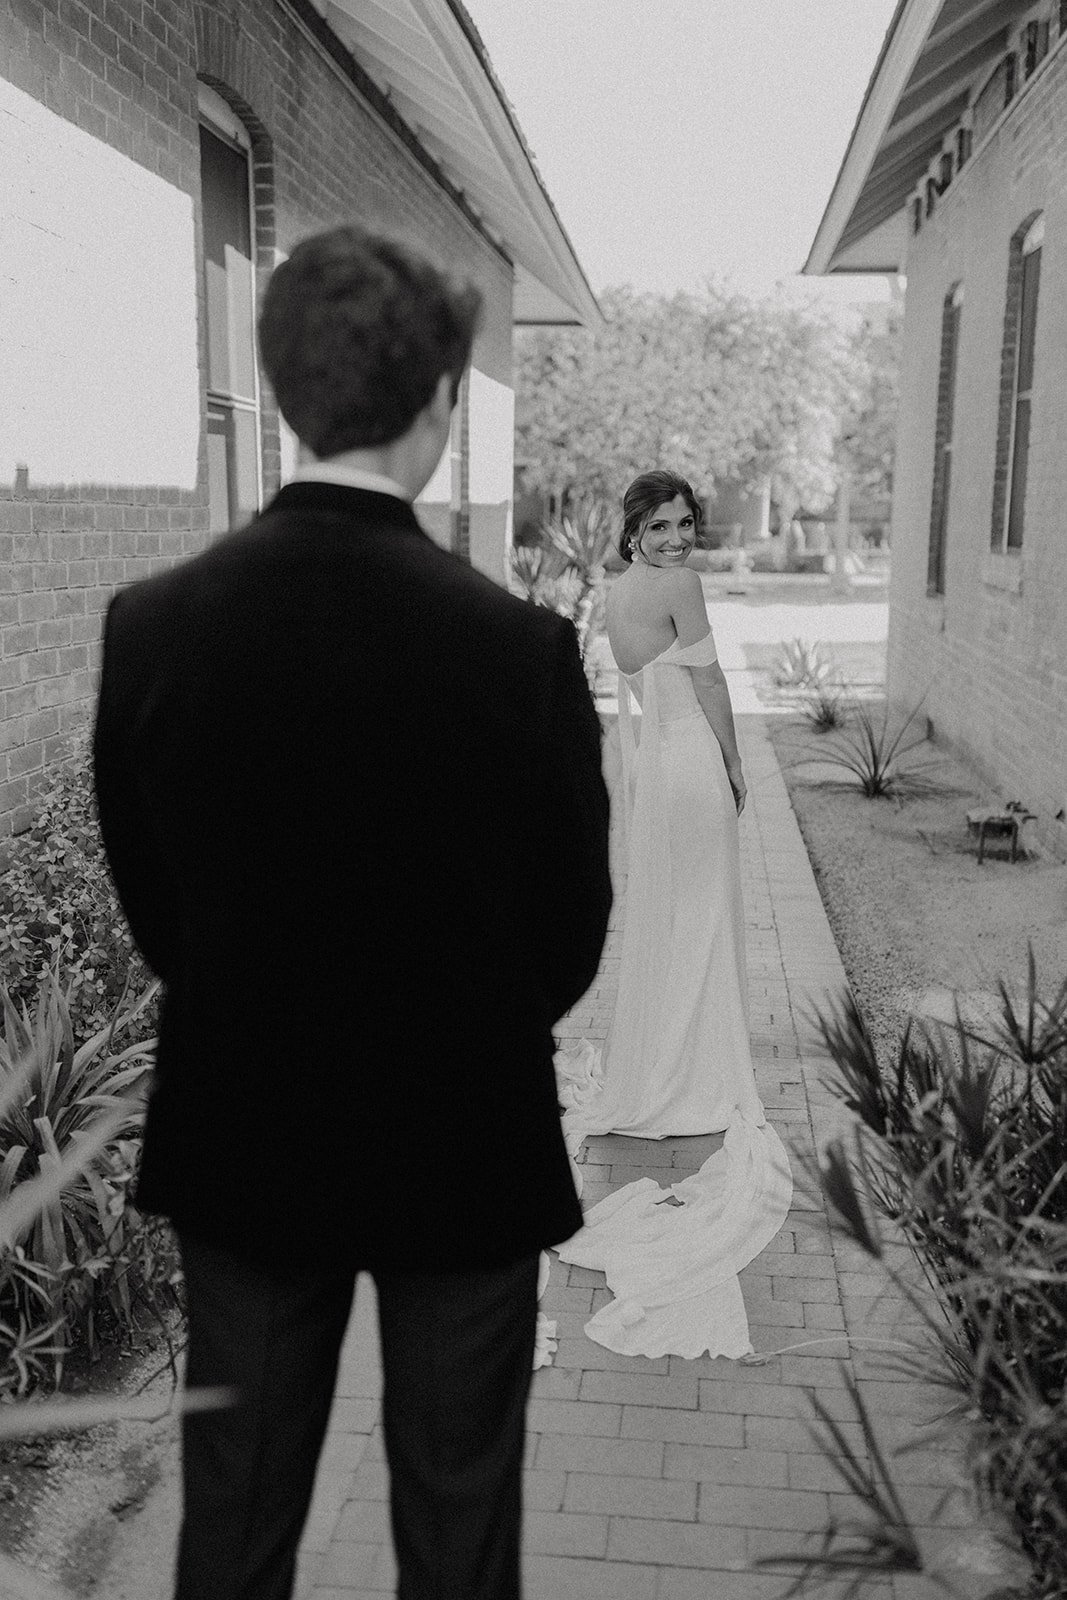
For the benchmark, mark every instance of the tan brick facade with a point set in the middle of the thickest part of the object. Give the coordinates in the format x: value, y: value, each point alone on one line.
x: 991, y: 653
x: 326, y: 147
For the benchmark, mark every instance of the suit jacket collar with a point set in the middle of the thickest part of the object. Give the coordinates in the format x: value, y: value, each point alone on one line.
x: 363, y: 505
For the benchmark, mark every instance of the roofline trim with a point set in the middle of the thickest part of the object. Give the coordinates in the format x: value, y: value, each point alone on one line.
x: 906, y: 35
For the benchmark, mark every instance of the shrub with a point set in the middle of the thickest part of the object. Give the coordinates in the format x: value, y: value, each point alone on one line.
x: 85, y: 1260
x: 826, y: 707
x: 872, y: 751
x: 565, y: 572
x: 801, y: 665
x: 961, y: 1145
x: 57, y: 903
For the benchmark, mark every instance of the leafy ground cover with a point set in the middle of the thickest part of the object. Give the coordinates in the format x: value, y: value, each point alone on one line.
x: 960, y: 1119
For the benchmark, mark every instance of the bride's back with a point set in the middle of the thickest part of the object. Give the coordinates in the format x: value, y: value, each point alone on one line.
x: 638, y: 613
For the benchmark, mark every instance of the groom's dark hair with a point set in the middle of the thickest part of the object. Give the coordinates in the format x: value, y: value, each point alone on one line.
x: 356, y: 332
x: 645, y: 494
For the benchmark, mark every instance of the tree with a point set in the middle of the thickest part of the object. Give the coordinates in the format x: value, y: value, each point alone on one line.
x: 713, y: 385
x: 662, y: 383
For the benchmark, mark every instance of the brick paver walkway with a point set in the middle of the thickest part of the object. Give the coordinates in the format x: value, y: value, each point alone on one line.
x: 667, y: 1479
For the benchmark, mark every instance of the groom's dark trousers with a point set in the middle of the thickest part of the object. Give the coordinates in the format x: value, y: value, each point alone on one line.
x: 350, y: 792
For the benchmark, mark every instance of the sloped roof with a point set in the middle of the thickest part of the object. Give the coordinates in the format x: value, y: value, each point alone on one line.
x: 428, y: 59
x: 934, y: 53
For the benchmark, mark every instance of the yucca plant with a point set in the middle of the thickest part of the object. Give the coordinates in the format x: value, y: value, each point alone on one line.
x: 873, y: 749
x: 961, y: 1144
x: 801, y: 665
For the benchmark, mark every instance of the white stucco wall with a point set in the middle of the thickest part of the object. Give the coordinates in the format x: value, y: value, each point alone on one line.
x: 98, y: 330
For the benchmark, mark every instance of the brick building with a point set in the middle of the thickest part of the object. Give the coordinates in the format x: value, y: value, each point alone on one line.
x: 956, y: 174
x: 157, y: 159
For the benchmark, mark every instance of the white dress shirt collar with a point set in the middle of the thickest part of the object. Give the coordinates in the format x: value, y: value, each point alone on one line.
x: 348, y: 477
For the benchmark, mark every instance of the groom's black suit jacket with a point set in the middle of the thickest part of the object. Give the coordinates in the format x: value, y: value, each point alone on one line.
x: 350, y: 791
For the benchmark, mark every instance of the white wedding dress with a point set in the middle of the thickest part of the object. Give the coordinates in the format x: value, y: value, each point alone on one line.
x: 677, y: 1058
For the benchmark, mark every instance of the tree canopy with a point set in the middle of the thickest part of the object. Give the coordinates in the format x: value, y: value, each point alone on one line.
x: 716, y: 386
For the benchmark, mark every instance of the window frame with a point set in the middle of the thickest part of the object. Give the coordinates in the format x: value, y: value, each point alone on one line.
x: 944, y: 428
x: 223, y: 123
x: 1010, y: 541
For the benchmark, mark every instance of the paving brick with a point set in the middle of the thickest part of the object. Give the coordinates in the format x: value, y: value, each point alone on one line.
x: 631, y: 1497
x: 543, y: 1491
x: 709, y: 1464
x: 346, y: 1563
x: 748, y: 1507
x: 676, y: 1544
x: 564, y: 1533
x: 556, y: 1577
x: 680, y: 1390
x: 793, y: 1433
x: 573, y: 1416
x: 555, y: 1383
x: 680, y: 1584
x: 632, y: 1458
x: 592, y: 1357
x: 364, y: 1522
x: 684, y: 1427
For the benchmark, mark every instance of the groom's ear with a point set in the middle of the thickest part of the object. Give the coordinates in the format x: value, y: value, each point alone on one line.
x: 443, y: 399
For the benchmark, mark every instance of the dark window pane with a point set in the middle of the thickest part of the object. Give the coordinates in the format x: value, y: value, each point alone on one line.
x: 1028, y: 319
x: 218, y: 473
x: 935, y: 569
x: 244, y: 475
x: 1019, y: 457
x: 233, y: 467
x: 228, y: 271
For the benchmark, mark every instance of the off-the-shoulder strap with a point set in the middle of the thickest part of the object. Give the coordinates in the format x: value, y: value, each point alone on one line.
x: 701, y: 654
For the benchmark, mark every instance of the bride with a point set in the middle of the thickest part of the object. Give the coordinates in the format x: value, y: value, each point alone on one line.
x: 677, y: 1059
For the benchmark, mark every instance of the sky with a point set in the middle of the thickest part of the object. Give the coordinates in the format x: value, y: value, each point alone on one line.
x: 688, y: 139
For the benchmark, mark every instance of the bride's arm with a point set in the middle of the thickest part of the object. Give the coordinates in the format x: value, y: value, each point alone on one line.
x: 690, y: 617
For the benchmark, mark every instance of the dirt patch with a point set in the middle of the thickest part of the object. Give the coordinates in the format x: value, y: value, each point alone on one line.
x: 64, y: 1498
x: 919, y: 924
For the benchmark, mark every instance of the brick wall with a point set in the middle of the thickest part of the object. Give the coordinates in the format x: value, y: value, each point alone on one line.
x: 326, y: 148
x: 991, y: 654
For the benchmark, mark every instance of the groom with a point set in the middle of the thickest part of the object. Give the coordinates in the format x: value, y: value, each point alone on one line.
x: 350, y: 792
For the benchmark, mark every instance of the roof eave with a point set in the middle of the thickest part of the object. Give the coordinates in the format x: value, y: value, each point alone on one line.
x: 907, y: 33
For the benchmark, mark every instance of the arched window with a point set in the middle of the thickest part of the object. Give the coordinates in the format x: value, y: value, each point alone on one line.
x: 1018, y: 371
x: 946, y: 403
x: 229, y: 287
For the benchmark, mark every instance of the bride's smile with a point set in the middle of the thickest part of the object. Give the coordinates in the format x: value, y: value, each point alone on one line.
x: 669, y: 535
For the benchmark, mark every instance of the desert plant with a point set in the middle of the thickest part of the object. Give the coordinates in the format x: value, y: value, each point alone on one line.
x: 961, y: 1145
x: 534, y: 568
x: 20, y: 1206
x: 826, y: 706
x: 84, y: 1255
x: 581, y: 541
x: 872, y: 750
x: 801, y: 665
x: 58, y: 903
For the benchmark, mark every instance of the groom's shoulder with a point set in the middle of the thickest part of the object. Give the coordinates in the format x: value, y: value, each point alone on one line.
x: 472, y: 596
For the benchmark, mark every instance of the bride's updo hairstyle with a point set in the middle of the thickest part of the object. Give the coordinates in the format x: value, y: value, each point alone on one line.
x: 642, y: 498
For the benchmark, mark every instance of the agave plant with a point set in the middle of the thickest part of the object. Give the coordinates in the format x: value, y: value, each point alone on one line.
x: 873, y: 750
x: 801, y: 665
x: 961, y: 1144
x: 826, y: 706
x: 580, y: 545
x: 535, y: 569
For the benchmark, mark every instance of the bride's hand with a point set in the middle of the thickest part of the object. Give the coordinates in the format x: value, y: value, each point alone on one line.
x: 738, y: 785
